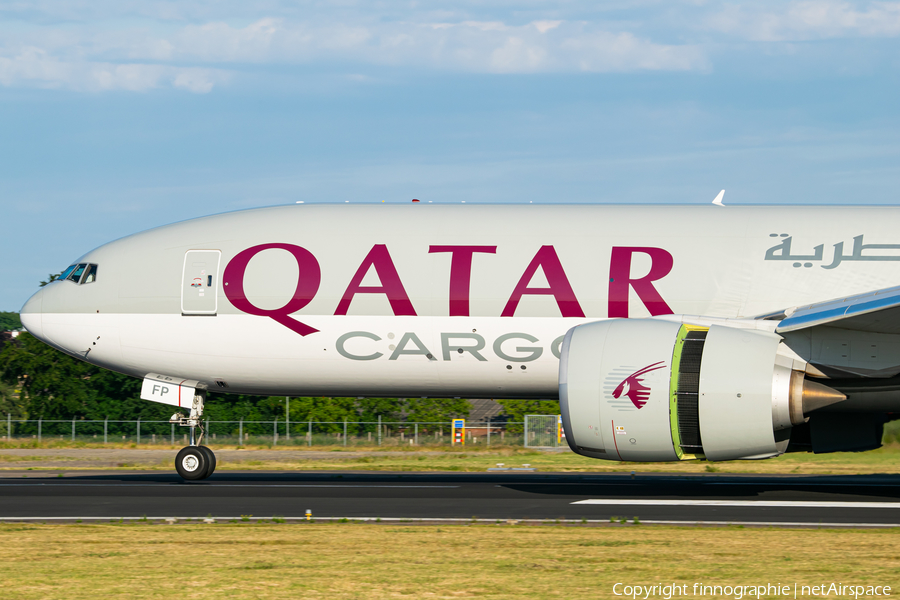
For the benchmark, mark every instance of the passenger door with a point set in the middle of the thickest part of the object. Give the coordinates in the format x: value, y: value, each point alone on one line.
x: 200, y: 282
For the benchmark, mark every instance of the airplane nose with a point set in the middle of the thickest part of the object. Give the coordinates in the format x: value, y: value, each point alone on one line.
x: 31, y: 315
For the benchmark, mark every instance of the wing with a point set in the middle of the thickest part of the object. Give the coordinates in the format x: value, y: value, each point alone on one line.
x: 875, y: 312
x: 852, y: 337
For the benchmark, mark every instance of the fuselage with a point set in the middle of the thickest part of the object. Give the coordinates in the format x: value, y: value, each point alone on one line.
x: 438, y: 300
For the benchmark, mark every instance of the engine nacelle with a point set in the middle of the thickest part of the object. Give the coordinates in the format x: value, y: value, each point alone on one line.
x: 654, y: 390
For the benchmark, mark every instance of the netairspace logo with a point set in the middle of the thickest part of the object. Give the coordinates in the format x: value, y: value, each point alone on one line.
x: 700, y: 590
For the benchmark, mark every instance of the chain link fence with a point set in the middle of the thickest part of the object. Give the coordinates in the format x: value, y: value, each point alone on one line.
x: 283, y: 433
x: 542, y: 431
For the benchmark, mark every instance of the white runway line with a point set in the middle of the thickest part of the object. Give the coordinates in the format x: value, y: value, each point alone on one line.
x: 739, y: 503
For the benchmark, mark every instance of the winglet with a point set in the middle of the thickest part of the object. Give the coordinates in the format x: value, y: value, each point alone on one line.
x: 718, y: 200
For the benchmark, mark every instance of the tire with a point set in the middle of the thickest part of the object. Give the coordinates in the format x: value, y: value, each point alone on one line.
x: 211, y: 460
x: 191, y: 463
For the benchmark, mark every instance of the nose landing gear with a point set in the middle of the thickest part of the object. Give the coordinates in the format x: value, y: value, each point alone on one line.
x: 195, y: 461
x: 191, y: 463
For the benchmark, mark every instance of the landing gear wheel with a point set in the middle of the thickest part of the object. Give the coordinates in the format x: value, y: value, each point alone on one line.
x: 192, y: 463
x: 211, y: 460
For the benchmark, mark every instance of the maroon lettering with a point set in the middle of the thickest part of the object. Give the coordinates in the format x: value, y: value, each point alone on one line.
x: 560, y: 288
x: 307, y: 285
x: 461, y: 274
x: 380, y: 258
x: 620, y: 281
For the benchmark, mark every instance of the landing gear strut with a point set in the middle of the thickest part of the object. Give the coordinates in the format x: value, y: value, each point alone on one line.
x: 194, y: 461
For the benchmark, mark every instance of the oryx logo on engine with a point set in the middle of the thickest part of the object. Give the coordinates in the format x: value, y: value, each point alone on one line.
x: 630, y: 390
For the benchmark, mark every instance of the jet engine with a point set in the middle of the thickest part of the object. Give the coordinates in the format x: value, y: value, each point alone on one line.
x: 654, y: 390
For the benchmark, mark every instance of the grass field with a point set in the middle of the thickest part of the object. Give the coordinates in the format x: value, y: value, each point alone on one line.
x: 354, y: 560
x: 884, y: 460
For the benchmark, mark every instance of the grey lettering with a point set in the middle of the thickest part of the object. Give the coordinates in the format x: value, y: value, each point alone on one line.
x: 535, y: 352
x: 411, y: 337
x: 343, y: 339
x: 473, y: 349
x: 556, y: 346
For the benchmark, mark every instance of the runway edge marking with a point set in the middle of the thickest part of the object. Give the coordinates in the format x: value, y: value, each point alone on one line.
x: 739, y: 503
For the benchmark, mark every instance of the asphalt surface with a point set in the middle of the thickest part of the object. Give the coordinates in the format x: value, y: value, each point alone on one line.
x: 872, y: 500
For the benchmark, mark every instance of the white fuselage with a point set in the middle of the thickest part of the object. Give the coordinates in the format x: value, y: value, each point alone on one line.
x: 439, y: 300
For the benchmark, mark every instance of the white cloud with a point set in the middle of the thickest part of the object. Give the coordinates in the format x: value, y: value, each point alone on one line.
x: 199, y: 81
x: 808, y: 20
x: 486, y: 25
x: 545, y: 26
x: 140, y: 46
x: 219, y: 42
x: 148, y: 54
x: 625, y: 52
x: 517, y: 55
x: 34, y: 67
x: 475, y: 46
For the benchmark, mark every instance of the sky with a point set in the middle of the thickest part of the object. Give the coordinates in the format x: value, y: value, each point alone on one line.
x: 121, y: 115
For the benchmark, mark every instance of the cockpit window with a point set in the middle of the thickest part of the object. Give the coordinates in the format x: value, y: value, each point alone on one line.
x: 65, y: 274
x: 77, y: 273
x: 91, y: 275
x: 81, y: 273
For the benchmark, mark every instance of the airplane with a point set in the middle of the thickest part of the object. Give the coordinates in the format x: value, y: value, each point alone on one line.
x: 666, y: 332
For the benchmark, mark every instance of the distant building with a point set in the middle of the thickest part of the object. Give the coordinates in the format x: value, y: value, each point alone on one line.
x: 484, y: 409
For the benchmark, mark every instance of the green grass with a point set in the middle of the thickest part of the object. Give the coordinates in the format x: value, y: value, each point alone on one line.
x: 354, y: 560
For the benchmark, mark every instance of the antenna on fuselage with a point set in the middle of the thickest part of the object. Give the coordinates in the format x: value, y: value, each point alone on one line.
x: 718, y: 200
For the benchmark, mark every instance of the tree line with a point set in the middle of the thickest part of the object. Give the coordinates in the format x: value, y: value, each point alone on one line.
x: 9, y: 321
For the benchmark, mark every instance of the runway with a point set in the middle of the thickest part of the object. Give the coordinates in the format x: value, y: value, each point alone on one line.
x: 865, y: 500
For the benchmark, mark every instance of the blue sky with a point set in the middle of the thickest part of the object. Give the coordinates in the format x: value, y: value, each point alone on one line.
x: 117, y: 116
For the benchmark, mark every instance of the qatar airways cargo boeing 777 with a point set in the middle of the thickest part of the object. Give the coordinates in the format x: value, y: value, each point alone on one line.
x: 666, y: 332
